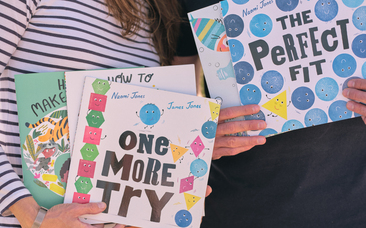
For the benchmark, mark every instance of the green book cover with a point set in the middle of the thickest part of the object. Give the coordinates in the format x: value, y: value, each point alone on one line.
x: 44, y: 135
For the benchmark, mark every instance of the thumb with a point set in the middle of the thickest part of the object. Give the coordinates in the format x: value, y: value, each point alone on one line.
x: 89, y: 208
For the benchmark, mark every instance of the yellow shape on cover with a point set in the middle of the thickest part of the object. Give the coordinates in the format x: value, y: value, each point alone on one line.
x: 278, y: 105
x: 215, y: 110
x: 58, y: 189
x: 49, y: 177
x: 191, y: 200
x: 177, y: 151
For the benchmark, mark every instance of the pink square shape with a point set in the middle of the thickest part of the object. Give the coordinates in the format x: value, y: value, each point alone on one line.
x: 97, y: 102
x: 80, y: 198
x: 92, y: 135
x: 197, y: 146
x: 86, y: 168
x: 186, y: 184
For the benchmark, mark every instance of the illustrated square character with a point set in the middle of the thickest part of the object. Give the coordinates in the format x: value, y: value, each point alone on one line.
x: 97, y: 102
x: 86, y: 168
x: 92, y: 135
x: 80, y: 198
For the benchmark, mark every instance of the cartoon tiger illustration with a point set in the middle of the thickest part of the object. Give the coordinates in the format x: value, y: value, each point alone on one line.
x: 60, y: 129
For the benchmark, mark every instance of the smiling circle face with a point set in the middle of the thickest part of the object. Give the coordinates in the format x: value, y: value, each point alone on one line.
x: 326, y: 10
x: 326, y: 89
x: 240, y: 2
x: 344, y: 65
x: 352, y: 3
x: 363, y: 70
x: 244, y: 72
x: 359, y: 46
x: 303, y: 98
x: 234, y: 25
x: 183, y: 218
x: 261, y: 25
x: 250, y: 94
x: 257, y: 116
x: 359, y: 18
x: 272, y: 81
x: 149, y: 114
x: 224, y: 7
x: 339, y: 111
x: 345, y: 83
x: 315, y: 117
x: 287, y: 5
x: 268, y: 131
x: 198, y: 168
x: 236, y: 50
x: 291, y: 125
x: 209, y: 129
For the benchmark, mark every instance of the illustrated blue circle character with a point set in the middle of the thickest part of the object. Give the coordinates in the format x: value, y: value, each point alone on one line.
x: 345, y: 83
x: 326, y: 89
x: 357, y: 115
x: 250, y: 94
x: 268, y: 131
x: 315, y: 117
x: 352, y: 3
x: 257, y: 116
x: 363, y: 70
x: 244, y: 72
x: 272, y: 81
x: 149, y: 114
x: 359, y: 18
x: 240, y: 2
x: 303, y: 98
x: 224, y: 7
x: 198, y: 168
x: 359, y: 46
x: 234, y: 25
x: 290, y: 125
x: 339, y: 111
x: 326, y: 10
x: 209, y: 129
x: 183, y: 218
x: 344, y: 65
x: 261, y: 25
x: 287, y: 5
x: 236, y: 49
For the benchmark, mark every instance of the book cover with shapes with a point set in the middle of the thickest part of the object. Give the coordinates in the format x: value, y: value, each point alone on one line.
x: 148, y: 158
x: 298, y: 57
x: 180, y: 78
x: 44, y: 135
x: 213, y: 49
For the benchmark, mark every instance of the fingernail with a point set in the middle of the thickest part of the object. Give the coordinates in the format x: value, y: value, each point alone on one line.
x: 345, y: 93
x: 350, y: 106
x: 255, y: 109
x: 351, y: 84
x: 102, y: 205
x: 261, y: 125
x: 261, y: 140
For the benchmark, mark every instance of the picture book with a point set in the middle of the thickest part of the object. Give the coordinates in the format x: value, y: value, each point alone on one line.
x: 180, y: 78
x: 145, y: 152
x: 44, y: 135
x: 294, y: 58
x: 213, y: 49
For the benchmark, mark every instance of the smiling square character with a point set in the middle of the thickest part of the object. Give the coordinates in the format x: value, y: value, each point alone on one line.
x: 186, y: 184
x: 92, y: 135
x: 97, y: 102
x: 197, y: 146
x: 86, y: 168
x: 80, y: 198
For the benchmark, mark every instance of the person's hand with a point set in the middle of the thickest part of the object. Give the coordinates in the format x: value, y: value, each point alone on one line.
x: 356, y: 92
x: 226, y: 145
x: 59, y: 216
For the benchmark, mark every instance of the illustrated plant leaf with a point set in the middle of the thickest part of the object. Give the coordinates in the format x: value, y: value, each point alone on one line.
x: 36, y: 133
x: 24, y: 147
x: 40, y: 183
x: 30, y: 145
x: 60, y: 184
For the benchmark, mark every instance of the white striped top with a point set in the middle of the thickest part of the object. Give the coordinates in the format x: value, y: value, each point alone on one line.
x: 54, y: 35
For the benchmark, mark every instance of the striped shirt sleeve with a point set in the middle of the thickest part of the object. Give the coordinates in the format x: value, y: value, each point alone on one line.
x: 11, y: 187
x: 14, y: 19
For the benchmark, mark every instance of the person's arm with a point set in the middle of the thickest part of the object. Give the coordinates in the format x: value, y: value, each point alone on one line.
x: 356, y: 91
